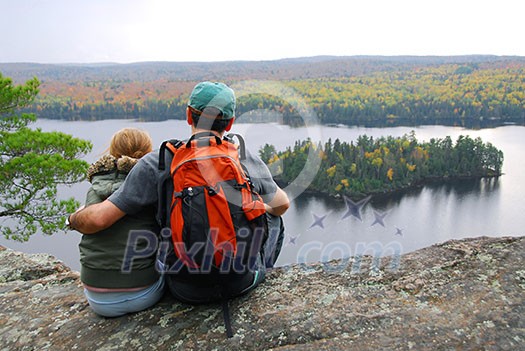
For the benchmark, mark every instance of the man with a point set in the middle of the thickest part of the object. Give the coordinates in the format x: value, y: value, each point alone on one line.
x: 211, y: 109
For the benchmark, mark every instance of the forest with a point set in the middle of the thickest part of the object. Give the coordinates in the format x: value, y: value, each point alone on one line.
x: 472, y: 91
x: 432, y: 94
x: 386, y: 164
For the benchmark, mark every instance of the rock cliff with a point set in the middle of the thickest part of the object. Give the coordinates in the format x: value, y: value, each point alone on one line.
x: 466, y: 294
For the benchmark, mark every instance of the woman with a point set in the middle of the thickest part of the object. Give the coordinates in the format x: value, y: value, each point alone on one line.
x: 109, y: 290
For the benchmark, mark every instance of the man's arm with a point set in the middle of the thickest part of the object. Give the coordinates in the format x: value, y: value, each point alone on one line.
x: 96, y: 217
x: 279, y: 204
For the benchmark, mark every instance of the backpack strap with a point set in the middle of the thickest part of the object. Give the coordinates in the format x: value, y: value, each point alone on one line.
x: 225, y: 296
x: 227, y: 318
x: 242, y: 145
x: 162, y: 151
x: 202, y: 135
x: 162, y: 190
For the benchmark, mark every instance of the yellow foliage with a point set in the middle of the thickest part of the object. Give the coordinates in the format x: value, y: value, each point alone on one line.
x: 390, y: 174
x: 307, y: 146
x: 273, y: 159
x: 410, y: 167
x: 345, y: 183
x: 338, y: 187
x: 331, y: 171
x: 419, y: 153
x: 378, y: 162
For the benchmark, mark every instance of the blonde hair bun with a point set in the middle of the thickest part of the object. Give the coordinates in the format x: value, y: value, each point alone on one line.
x: 131, y: 142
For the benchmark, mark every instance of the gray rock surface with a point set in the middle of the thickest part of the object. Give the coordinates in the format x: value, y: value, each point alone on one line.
x: 466, y: 294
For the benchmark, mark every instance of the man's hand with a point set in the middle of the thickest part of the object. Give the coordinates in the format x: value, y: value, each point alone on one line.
x: 96, y: 217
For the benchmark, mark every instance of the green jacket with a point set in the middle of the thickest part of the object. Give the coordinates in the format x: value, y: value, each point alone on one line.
x: 102, y: 253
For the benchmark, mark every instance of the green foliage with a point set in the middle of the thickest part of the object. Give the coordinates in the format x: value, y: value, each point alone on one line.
x: 267, y: 152
x: 32, y: 164
x: 14, y: 97
x: 386, y: 164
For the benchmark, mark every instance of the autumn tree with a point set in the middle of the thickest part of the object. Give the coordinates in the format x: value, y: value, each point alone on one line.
x: 33, y: 164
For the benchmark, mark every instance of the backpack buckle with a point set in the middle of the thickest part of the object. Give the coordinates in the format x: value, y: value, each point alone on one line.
x: 212, y: 190
x: 187, y: 192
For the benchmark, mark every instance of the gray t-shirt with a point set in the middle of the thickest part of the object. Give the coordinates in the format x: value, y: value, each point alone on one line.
x: 143, y: 184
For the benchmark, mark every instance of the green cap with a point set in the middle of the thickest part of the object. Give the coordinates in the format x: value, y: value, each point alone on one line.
x: 218, y: 95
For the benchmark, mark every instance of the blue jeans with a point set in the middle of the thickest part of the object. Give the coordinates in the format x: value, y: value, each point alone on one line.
x: 114, y: 304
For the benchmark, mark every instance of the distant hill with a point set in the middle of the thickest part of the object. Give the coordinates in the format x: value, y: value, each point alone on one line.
x: 285, y: 69
x: 473, y: 90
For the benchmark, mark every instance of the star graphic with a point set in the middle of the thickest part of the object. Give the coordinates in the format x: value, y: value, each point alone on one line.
x: 292, y: 240
x: 318, y: 221
x: 379, y: 218
x: 398, y: 231
x: 354, y: 208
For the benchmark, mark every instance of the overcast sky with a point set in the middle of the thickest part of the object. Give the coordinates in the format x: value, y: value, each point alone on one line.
x: 70, y: 31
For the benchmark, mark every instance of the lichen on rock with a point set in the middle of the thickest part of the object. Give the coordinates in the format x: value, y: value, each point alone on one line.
x: 462, y: 294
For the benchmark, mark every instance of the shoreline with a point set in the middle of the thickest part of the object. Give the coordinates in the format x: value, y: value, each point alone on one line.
x: 382, y: 194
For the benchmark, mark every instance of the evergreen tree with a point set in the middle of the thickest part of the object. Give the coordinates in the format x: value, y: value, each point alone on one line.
x: 32, y: 164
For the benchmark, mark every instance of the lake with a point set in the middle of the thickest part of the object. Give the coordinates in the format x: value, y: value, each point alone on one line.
x: 319, y: 228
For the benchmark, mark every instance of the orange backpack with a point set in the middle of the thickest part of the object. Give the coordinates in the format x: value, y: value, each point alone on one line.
x: 217, y: 220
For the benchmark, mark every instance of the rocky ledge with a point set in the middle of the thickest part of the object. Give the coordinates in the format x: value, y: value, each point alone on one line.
x: 462, y: 294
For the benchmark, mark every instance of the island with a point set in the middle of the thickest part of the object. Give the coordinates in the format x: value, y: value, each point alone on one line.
x: 381, y: 165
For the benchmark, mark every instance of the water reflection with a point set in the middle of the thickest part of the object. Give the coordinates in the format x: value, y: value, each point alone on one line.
x: 462, y: 187
x: 320, y: 227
